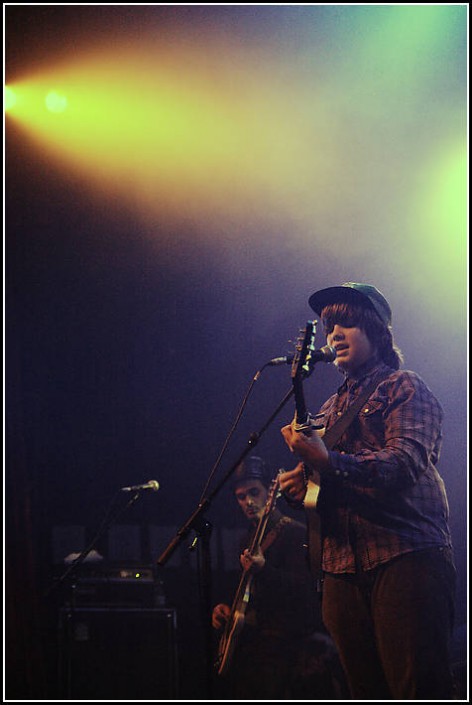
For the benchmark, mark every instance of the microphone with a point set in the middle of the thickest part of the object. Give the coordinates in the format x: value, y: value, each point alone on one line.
x: 325, y: 354
x: 150, y: 485
x: 287, y: 360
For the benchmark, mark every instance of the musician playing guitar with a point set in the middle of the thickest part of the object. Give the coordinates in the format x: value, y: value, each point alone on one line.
x: 387, y: 558
x: 281, y: 615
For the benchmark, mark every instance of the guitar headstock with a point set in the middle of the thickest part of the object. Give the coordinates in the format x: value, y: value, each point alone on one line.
x: 301, y: 364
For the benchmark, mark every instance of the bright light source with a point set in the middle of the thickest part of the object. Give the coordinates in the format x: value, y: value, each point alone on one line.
x: 56, y: 102
x: 10, y: 98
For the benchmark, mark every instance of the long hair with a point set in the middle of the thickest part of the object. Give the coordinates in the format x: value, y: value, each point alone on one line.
x: 379, y: 334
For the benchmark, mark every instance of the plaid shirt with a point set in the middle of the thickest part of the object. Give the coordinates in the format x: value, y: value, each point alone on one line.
x: 383, y: 495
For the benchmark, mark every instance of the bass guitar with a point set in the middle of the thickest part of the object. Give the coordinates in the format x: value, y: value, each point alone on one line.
x: 236, y: 617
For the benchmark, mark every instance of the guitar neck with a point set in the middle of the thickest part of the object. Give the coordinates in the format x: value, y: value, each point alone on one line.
x: 259, y: 533
x: 300, y: 369
x: 301, y: 413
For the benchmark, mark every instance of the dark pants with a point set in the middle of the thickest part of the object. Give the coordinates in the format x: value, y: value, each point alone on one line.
x: 392, y: 627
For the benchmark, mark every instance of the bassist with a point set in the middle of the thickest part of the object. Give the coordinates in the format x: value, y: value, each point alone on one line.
x: 282, y: 637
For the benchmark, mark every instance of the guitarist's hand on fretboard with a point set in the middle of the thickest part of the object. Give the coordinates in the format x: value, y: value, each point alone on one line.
x: 310, y: 449
x: 252, y: 562
x: 293, y: 483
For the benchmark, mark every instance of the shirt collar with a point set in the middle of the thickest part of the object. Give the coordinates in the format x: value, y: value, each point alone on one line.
x: 364, y: 374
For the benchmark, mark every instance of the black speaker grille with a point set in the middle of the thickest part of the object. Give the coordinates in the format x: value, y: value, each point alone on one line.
x: 118, y: 653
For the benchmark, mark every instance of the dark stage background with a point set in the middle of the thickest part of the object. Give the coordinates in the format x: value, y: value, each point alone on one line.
x: 139, y: 306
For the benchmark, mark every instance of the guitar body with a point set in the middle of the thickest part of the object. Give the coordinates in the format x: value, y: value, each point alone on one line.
x: 313, y: 524
x: 233, y: 630
x: 312, y: 491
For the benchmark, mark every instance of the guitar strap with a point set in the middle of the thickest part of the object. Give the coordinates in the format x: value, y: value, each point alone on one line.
x: 274, y: 532
x: 334, y: 433
x: 330, y: 438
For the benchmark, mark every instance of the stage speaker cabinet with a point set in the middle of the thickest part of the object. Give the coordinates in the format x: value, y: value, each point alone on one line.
x: 118, y: 653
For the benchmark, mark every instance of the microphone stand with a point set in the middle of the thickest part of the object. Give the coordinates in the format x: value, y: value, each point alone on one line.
x: 106, y: 522
x: 111, y: 515
x: 198, y: 523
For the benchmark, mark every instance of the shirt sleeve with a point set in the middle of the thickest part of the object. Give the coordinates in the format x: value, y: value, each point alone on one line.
x: 398, y: 441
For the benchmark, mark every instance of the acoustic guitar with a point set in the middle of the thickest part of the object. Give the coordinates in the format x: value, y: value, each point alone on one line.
x: 302, y: 366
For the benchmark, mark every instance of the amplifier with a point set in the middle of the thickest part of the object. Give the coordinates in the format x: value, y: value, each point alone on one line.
x: 118, y: 654
x: 122, y: 586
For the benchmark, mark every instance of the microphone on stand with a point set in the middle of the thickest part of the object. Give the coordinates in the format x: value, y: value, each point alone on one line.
x: 325, y: 354
x: 150, y: 485
x: 286, y: 360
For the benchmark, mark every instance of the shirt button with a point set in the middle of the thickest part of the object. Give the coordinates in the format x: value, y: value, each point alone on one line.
x: 366, y: 410
x: 340, y: 413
